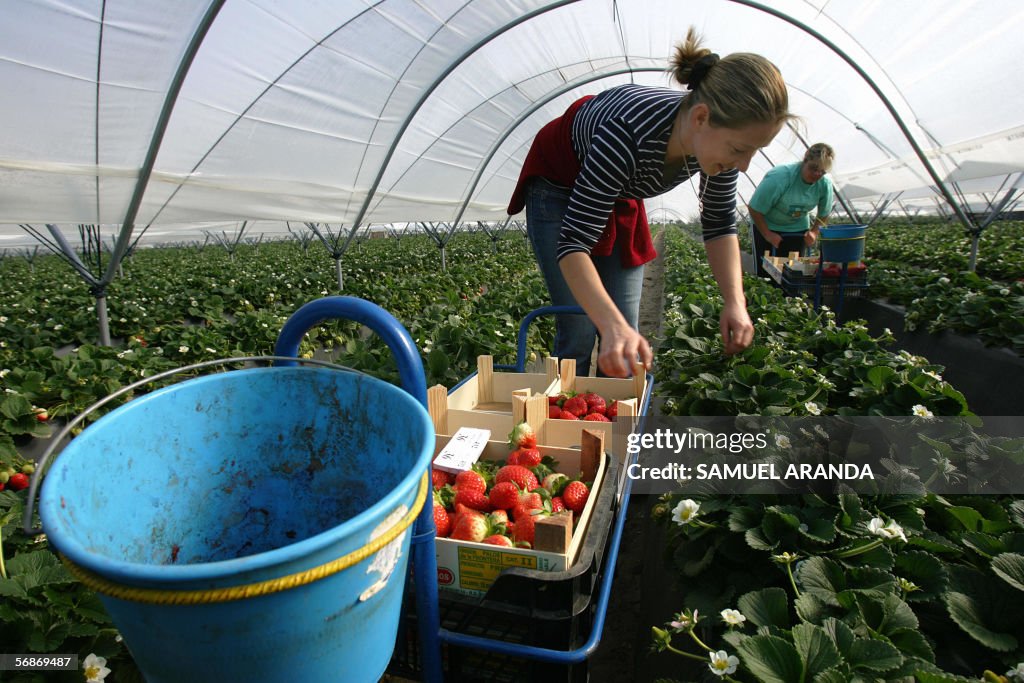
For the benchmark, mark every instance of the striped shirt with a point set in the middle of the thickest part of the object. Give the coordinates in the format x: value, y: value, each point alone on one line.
x: 620, y: 137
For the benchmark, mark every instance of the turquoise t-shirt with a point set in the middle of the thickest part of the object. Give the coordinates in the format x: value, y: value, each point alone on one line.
x: 786, y: 200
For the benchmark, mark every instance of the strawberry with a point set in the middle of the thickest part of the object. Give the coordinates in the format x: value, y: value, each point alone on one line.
x: 554, y: 483
x: 575, y: 405
x: 525, y: 527
x: 498, y: 539
x: 42, y: 415
x: 518, y: 475
x: 471, y: 498
x: 566, y: 415
x: 553, y: 400
x: 554, y: 412
x: 557, y: 504
x: 522, y: 436
x: 612, y: 411
x: 439, y: 478
x: 470, y: 525
x: 595, y: 404
x: 575, y: 496
x: 499, y: 518
x: 470, y: 480
x: 596, y: 417
x: 18, y: 481
x: 527, y: 502
x: 442, y: 521
x: 504, y: 495
x: 527, y: 457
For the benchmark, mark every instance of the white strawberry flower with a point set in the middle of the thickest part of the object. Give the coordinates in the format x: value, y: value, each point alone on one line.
x: 892, y: 530
x: 182, y: 349
x: 733, y: 617
x: 723, y: 663
x: 95, y: 668
x: 782, y: 441
x: 920, y: 411
x: 812, y: 408
x: 685, y: 512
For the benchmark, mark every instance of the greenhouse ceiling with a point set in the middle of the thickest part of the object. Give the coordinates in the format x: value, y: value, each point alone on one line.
x: 175, y: 118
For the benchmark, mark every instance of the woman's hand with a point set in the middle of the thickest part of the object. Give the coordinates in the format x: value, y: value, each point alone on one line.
x: 736, y: 328
x: 620, y: 348
x: 810, y: 237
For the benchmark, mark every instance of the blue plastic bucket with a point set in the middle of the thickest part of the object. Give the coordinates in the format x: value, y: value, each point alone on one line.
x: 200, y: 503
x: 842, y: 243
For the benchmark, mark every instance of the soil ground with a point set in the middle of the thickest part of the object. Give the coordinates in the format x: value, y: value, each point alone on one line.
x: 619, y: 657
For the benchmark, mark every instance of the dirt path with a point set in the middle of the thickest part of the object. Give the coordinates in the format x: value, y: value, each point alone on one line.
x: 625, y: 637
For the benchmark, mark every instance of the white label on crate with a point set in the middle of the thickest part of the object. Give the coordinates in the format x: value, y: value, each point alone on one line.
x: 462, y: 450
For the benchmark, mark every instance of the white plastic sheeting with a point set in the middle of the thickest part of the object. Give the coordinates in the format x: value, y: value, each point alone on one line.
x: 354, y: 112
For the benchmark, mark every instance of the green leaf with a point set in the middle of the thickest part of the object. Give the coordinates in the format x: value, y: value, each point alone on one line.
x: 816, y: 649
x: 823, y: 577
x: 925, y: 571
x: 437, y: 362
x: 912, y: 642
x: 969, y: 615
x: 873, y: 655
x: 879, y: 375
x: 886, y: 614
x: 832, y: 676
x: 771, y: 659
x: 766, y: 607
x: 1010, y: 568
x: 842, y: 636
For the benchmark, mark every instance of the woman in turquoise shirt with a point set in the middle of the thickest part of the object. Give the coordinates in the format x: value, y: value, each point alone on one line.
x: 781, y: 205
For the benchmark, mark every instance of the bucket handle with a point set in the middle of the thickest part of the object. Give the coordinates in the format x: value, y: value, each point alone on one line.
x: 407, y: 356
x: 63, y: 434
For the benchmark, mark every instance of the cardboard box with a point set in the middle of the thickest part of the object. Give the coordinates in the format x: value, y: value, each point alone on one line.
x: 470, y: 568
x: 491, y: 391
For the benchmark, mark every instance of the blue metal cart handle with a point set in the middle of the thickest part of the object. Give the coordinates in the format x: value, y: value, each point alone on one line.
x: 524, y: 327
x: 410, y: 371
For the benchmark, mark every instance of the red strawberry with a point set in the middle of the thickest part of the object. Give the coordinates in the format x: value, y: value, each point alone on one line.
x: 439, y: 478
x: 442, y: 521
x: 471, y: 498
x: 595, y: 404
x: 504, y: 495
x: 525, y: 527
x: 553, y: 400
x: 498, y: 539
x: 612, y: 410
x: 470, y: 480
x: 522, y: 436
x: 575, y: 405
x: 557, y: 504
x: 470, y: 526
x: 596, y: 417
x: 528, y: 457
x: 527, y: 502
x: 566, y: 415
x: 518, y: 475
x: 42, y: 415
x: 575, y: 496
x: 554, y: 412
x: 18, y: 481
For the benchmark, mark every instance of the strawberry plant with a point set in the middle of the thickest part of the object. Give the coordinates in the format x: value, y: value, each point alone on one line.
x: 923, y: 588
x: 43, y: 609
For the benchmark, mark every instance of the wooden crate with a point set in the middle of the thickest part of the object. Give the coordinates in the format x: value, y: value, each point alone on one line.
x: 470, y: 568
x: 491, y: 391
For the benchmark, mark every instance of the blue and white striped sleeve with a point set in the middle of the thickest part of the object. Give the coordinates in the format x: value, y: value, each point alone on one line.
x: 718, y: 193
x: 609, y: 163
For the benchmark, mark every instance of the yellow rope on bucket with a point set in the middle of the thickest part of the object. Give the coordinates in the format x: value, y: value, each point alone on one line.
x: 283, y: 583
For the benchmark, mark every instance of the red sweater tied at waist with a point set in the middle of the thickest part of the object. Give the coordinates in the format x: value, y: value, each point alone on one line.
x: 551, y: 157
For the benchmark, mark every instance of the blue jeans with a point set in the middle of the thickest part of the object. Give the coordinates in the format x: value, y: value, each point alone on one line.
x: 575, y: 335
